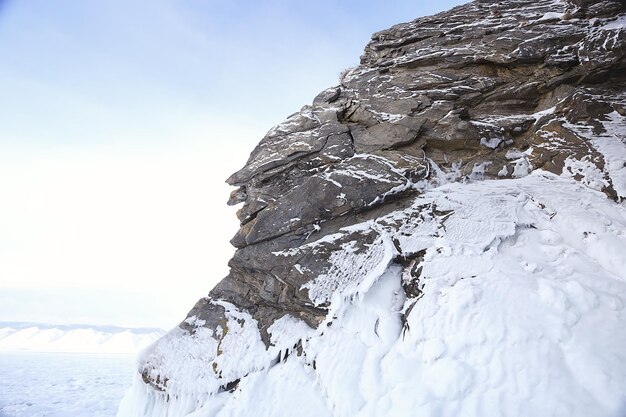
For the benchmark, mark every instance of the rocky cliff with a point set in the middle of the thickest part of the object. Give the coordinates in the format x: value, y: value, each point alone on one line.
x: 443, y: 233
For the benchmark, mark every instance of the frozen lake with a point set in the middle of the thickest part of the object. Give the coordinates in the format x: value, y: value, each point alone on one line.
x: 63, y: 384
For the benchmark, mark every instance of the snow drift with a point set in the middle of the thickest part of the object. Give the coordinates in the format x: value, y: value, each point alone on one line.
x: 522, y: 312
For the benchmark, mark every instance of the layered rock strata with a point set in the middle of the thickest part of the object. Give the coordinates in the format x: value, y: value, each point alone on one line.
x: 342, y: 190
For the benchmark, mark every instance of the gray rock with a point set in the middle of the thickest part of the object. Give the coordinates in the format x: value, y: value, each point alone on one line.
x: 433, y: 100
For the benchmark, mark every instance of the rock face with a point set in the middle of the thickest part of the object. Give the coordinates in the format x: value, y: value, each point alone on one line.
x: 488, y: 106
x: 477, y: 92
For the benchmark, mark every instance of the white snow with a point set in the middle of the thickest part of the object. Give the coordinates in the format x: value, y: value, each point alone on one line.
x: 522, y: 167
x: 585, y: 171
x: 387, y: 117
x: 550, y: 16
x: 522, y: 314
x: 619, y: 24
x: 611, y: 144
x: 478, y: 171
x: 490, y: 142
x: 351, y: 271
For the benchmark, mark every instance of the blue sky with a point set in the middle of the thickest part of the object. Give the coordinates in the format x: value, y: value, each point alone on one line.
x: 122, y: 119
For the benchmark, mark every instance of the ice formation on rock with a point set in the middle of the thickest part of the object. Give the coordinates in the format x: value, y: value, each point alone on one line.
x: 442, y: 234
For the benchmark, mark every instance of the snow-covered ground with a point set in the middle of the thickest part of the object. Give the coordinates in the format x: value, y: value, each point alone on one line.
x: 62, y: 384
x: 67, y: 371
x: 521, y: 313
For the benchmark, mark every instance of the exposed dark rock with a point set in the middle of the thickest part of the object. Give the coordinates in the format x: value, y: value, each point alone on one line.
x: 433, y: 88
x: 486, y: 90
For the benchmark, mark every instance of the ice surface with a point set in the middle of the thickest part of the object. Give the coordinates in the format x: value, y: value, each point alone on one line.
x: 62, y: 385
x: 68, y: 370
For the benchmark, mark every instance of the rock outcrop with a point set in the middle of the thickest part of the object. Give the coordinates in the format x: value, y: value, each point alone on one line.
x: 474, y: 93
x: 362, y: 182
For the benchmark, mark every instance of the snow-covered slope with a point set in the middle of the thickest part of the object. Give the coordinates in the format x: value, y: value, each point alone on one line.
x: 74, y: 338
x: 521, y: 313
x: 442, y: 234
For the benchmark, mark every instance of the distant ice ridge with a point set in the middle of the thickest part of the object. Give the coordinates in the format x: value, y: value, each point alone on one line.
x: 35, y: 337
x: 522, y: 313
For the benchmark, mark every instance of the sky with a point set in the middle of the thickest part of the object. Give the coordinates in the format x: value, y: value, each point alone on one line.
x: 120, y: 122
